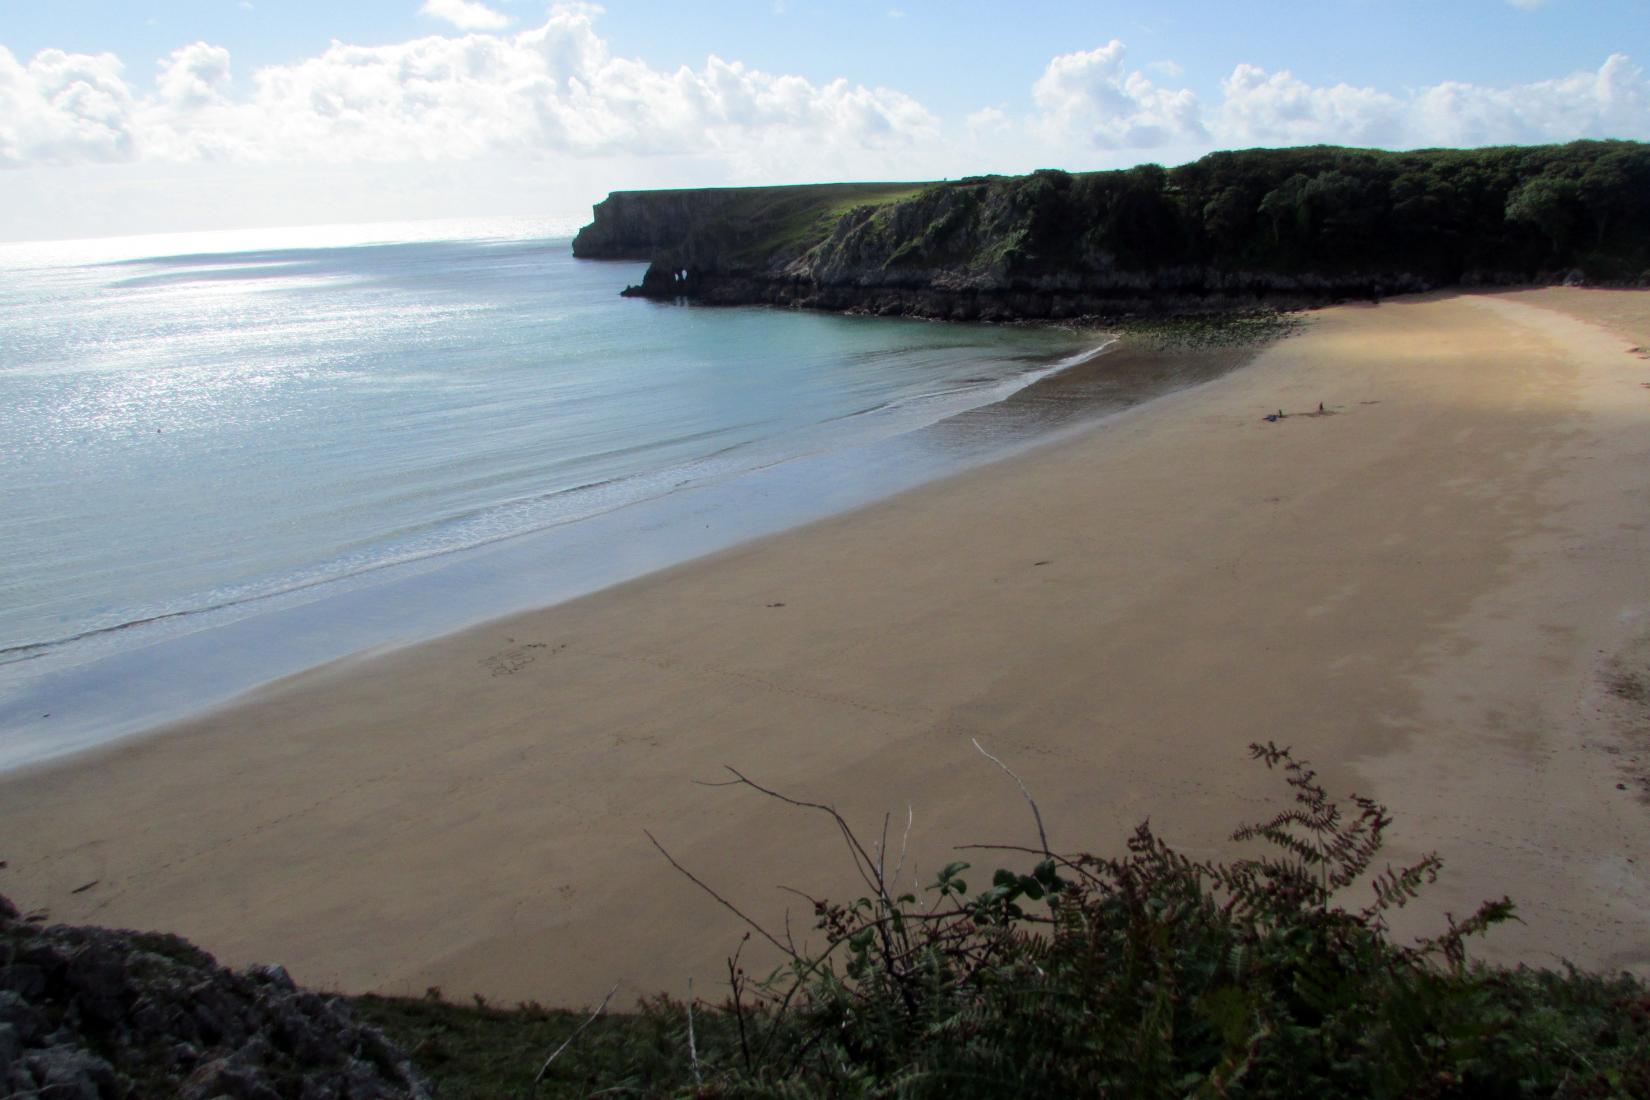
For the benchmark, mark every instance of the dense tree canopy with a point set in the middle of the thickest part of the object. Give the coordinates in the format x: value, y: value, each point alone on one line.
x: 1447, y: 214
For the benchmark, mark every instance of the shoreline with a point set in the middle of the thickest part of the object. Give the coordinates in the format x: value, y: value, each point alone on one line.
x: 1082, y: 395
x: 1420, y: 589
x: 149, y: 683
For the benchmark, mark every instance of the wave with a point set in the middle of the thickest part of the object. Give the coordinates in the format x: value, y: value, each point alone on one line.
x: 479, y: 527
x: 24, y: 651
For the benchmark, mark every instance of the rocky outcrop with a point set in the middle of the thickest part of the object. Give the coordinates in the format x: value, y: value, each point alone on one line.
x: 1033, y: 299
x: 94, y: 1014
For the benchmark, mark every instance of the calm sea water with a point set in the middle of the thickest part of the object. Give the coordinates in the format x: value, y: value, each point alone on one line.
x: 202, y: 429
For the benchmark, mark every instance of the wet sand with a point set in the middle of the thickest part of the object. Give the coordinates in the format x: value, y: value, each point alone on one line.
x: 1436, y: 590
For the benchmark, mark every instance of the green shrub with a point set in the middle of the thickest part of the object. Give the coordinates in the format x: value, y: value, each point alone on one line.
x: 1145, y: 975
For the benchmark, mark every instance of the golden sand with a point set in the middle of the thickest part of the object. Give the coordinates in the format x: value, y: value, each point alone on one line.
x: 1436, y: 590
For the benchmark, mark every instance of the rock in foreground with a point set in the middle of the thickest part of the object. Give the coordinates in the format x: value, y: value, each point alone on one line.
x: 95, y: 1014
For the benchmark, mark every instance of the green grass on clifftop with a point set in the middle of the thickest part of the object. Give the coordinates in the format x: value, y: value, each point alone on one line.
x: 768, y: 221
x: 737, y: 225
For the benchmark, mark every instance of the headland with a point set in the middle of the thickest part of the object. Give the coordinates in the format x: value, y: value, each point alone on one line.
x: 1267, y: 228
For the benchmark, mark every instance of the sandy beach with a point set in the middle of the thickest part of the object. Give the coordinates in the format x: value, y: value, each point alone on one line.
x: 1437, y: 590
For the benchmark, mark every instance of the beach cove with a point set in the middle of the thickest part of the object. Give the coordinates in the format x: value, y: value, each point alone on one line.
x: 1435, y: 590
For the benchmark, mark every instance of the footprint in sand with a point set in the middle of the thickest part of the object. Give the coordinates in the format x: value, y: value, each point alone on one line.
x: 512, y: 660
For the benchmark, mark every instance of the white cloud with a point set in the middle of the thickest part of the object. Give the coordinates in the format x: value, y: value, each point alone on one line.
x: 1528, y: 5
x: 195, y: 76
x: 1093, y: 98
x: 988, y: 121
x: 1614, y: 101
x: 551, y: 91
x: 64, y: 108
x: 466, y: 15
x: 1092, y: 106
x: 1261, y: 108
x: 556, y: 93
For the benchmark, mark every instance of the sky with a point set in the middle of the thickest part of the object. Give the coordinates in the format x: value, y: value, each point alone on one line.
x: 142, y: 116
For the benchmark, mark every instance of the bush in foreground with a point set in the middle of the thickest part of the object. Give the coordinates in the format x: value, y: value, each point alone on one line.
x: 1145, y: 975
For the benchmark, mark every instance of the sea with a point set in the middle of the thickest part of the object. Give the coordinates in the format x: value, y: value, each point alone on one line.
x: 229, y: 457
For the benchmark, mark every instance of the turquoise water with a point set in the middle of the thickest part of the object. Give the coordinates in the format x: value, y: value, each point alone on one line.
x: 208, y: 428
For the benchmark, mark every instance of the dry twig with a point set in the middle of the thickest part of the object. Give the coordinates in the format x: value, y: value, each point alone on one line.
x: 569, y: 1040
x: 1032, y: 802
x: 726, y: 904
x: 693, y: 1045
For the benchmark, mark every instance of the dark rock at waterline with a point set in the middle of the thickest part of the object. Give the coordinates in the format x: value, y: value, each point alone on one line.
x: 97, y: 1014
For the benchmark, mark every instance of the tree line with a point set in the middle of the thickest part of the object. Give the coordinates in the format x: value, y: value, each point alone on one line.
x: 1448, y: 216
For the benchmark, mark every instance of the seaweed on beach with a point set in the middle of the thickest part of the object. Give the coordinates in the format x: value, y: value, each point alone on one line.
x: 1236, y: 329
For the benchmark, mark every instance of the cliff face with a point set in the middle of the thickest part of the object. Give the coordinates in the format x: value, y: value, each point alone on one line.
x: 710, y: 224
x: 635, y: 225
x: 1280, y: 227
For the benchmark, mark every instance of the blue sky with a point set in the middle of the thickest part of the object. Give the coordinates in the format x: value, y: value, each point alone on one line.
x: 133, y: 117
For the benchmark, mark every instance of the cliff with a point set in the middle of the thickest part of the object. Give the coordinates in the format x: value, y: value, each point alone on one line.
x: 1261, y: 227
